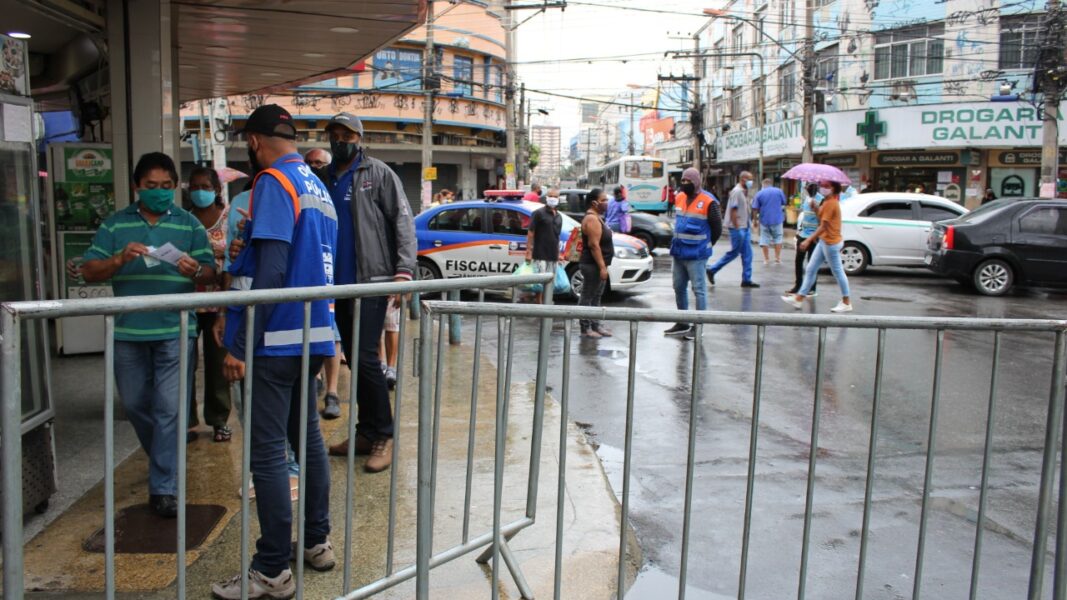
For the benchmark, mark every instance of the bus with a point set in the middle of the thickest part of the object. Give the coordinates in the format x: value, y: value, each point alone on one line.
x: 644, y: 178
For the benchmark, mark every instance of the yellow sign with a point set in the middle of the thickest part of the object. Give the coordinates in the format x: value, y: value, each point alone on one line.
x: 429, y: 174
x: 509, y: 168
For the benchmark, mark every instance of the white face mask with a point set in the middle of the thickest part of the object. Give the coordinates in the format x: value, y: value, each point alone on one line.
x: 552, y: 201
x: 825, y: 191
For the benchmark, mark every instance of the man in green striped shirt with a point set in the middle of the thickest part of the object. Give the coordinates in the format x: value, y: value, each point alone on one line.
x: 147, y: 351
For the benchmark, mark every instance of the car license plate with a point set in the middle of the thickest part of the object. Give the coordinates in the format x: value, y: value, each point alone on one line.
x: 929, y: 258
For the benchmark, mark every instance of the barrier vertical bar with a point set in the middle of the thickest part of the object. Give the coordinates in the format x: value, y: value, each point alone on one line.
x: 472, y: 420
x: 1059, y: 581
x: 11, y: 451
x: 246, y: 446
x: 757, y: 392
x: 398, y: 396
x: 627, y: 455
x: 498, y: 456
x: 455, y: 334
x: 813, y: 454
x: 690, y: 461
x: 350, y: 465
x: 868, y: 490
x: 561, y: 482
x: 987, y: 455
x: 935, y: 401
x: 438, y: 376
x: 539, y: 406
x: 1048, y: 465
x: 302, y: 447
x: 109, y: 457
x: 424, y: 508
x: 183, y: 425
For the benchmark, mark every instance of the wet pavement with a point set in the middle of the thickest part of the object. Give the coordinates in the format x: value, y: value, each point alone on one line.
x: 723, y: 412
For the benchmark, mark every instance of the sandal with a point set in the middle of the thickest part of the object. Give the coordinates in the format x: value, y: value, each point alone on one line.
x: 223, y: 434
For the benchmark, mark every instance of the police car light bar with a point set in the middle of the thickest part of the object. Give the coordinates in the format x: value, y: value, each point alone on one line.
x: 498, y: 195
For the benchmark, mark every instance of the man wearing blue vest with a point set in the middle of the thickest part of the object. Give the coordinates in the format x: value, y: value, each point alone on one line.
x: 290, y: 241
x: 697, y: 226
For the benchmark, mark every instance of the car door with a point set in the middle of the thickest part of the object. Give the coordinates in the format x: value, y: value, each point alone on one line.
x: 1039, y: 239
x: 508, y: 226
x: 892, y: 232
x: 457, y: 242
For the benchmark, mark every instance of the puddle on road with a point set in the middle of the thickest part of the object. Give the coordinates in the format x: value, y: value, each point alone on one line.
x: 654, y: 584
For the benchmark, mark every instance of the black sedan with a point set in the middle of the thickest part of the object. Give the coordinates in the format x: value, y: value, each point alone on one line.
x: 1006, y: 243
x: 654, y: 230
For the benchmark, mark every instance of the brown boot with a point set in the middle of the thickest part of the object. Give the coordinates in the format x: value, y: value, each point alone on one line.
x: 381, y: 456
x: 363, y: 447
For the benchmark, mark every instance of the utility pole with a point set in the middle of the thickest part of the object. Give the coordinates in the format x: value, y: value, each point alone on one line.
x: 523, y: 139
x: 429, y: 80
x: 808, y: 81
x: 1052, y: 73
x: 632, y: 104
x: 695, y: 122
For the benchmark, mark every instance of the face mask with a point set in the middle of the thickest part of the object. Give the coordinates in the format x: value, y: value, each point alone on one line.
x: 748, y: 184
x: 825, y: 191
x: 203, y: 198
x: 343, y: 151
x: 156, y: 200
x: 689, y: 189
x: 552, y: 201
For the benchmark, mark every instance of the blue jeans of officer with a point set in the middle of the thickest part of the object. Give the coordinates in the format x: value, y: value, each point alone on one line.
x: 684, y: 273
x: 276, y: 387
x: 740, y: 245
x: 147, y: 374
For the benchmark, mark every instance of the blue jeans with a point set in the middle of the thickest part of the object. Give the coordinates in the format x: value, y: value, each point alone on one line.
x: 740, y: 245
x: 829, y: 254
x: 686, y: 272
x: 146, y: 374
x: 276, y: 386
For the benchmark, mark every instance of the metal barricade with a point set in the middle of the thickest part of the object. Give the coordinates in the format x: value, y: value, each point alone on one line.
x: 12, y: 315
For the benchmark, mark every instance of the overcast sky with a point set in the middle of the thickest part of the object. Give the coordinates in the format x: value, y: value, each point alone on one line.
x: 593, y: 31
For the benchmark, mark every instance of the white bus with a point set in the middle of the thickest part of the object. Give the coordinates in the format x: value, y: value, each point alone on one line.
x: 645, y: 178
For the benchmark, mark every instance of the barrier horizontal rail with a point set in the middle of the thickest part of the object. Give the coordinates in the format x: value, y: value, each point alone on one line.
x: 12, y: 314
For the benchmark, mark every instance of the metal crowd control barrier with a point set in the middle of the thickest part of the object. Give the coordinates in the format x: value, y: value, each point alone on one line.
x: 495, y: 543
x: 13, y: 314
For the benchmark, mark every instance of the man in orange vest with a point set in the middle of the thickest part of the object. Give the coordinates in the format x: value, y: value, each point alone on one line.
x: 697, y: 226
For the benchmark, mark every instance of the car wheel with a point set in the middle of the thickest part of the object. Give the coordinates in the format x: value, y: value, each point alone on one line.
x: 993, y: 277
x: 647, y: 238
x: 854, y: 258
x: 576, y: 280
x: 427, y: 270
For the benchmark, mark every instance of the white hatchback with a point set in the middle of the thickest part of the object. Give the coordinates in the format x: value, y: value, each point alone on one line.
x: 890, y: 229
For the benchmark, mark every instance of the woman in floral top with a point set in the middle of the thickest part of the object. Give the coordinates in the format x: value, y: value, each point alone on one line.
x: 205, y: 191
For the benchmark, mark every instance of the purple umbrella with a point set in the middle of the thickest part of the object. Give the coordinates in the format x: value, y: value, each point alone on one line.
x: 817, y: 172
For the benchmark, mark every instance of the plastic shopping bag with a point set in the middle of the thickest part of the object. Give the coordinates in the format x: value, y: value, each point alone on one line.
x: 527, y: 268
x: 563, y: 282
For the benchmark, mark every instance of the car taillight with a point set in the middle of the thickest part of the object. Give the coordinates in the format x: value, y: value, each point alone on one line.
x: 949, y: 241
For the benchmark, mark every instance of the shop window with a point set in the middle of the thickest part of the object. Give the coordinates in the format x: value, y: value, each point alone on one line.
x: 1048, y: 220
x: 910, y: 52
x: 889, y: 210
x: 935, y: 213
x: 1020, y: 41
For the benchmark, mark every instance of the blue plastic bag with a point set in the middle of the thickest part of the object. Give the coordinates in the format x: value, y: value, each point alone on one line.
x: 563, y: 282
x: 527, y: 268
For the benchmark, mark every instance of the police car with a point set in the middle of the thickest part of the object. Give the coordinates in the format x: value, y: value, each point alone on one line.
x: 488, y: 237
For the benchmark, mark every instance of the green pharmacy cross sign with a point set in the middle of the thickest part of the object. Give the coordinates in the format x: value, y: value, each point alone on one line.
x: 871, y: 129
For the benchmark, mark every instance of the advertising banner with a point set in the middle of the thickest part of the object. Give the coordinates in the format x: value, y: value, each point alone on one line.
x: 397, y: 69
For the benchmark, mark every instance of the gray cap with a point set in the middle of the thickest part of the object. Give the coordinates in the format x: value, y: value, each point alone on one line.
x: 348, y: 121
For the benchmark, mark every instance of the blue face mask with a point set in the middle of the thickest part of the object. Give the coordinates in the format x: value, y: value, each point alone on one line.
x: 748, y: 184
x: 158, y: 200
x: 203, y: 198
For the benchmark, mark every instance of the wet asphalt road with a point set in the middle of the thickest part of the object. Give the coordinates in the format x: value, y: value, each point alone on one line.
x: 723, y: 416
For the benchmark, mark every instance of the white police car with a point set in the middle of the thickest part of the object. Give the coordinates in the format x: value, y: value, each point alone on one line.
x: 488, y: 237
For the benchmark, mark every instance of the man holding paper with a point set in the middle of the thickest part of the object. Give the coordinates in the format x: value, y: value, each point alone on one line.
x: 152, y: 247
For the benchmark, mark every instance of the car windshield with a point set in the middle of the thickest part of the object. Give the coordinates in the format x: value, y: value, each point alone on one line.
x: 985, y: 211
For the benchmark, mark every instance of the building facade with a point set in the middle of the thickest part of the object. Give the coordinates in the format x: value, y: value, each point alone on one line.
x: 909, y: 94
x: 547, y: 139
x: 387, y: 93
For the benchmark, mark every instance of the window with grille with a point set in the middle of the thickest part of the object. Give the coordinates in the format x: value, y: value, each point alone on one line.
x: 1020, y: 41
x: 826, y: 68
x: 787, y: 83
x: 909, y: 52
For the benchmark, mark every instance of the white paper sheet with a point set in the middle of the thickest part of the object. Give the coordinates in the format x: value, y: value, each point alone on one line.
x: 18, y: 123
x: 166, y: 253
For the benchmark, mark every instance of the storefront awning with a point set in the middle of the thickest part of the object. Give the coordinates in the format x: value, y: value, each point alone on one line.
x: 242, y: 46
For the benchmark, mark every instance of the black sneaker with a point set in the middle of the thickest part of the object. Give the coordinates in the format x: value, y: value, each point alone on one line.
x: 678, y: 329
x: 165, y: 506
x: 749, y: 284
x: 690, y: 335
x: 711, y: 278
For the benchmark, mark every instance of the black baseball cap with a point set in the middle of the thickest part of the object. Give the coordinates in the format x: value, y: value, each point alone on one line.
x: 272, y: 120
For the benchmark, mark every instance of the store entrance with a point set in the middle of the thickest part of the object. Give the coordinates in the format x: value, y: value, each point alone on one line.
x: 926, y: 180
